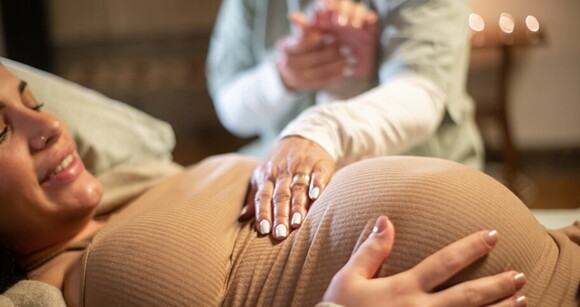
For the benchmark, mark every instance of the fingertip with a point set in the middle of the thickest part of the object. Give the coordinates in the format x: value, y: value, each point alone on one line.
x: 314, y: 193
x: 264, y: 227
x: 280, y: 232
x: 520, y: 301
x: 490, y: 237
x: 296, y: 220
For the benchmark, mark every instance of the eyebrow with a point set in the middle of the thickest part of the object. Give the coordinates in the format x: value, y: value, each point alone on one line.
x: 21, y: 87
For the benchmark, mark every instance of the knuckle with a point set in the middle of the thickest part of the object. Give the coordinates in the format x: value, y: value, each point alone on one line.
x: 472, y: 296
x: 282, y: 197
x: 262, y: 196
x: 452, y: 262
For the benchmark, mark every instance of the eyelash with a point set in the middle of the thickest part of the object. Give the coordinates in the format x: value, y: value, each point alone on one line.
x: 3, y: 134
x: 6, y: 129
x: 38, y: 107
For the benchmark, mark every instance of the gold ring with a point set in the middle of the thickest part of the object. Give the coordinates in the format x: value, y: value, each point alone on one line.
x: 304, y: 177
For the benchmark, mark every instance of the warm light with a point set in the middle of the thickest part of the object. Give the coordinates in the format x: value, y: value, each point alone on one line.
x: 476, y: 22
x: 532, y: 23
x: 506, y: 23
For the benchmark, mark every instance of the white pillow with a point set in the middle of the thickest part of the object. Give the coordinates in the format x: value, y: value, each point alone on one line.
x: 108, y: 133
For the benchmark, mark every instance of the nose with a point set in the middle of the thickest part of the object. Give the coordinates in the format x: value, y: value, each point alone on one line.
x: 45, y: 130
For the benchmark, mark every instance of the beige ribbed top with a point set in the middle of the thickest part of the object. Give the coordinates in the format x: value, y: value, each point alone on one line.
x: 180, y: 244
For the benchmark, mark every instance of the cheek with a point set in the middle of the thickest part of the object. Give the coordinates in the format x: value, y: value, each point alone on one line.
x: 80, y: 197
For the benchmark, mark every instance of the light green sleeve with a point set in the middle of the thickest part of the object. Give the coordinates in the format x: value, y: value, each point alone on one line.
x: 429, y: 38
x: 246, y: 89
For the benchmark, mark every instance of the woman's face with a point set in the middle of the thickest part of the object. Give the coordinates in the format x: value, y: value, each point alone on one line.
x: 46, y: 194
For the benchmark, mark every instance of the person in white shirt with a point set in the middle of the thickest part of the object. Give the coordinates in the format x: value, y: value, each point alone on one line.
x: 303, y: 84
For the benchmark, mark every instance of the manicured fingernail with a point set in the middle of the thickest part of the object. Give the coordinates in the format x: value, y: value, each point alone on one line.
x: 351, y: 60
x: 519, y: 280
x: 314, y: 193
x: 380, y: 225
x: 264, y: 227
x: 347, y: 71
x: 244, y: 210
x: 296, y: 219
x: 342, y: 20
x: 491, y: 237
x: 328, y: 39
x: 521, y: 301
x: 281, y: 231
x: 345, y: 50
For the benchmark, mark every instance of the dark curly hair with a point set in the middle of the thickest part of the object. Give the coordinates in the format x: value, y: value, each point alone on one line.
x: 10, y: 271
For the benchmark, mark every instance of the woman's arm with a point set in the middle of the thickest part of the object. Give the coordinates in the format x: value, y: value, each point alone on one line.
x: 248, y: 94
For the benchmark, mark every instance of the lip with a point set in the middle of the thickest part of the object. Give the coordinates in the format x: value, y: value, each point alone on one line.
x: 67, y: 175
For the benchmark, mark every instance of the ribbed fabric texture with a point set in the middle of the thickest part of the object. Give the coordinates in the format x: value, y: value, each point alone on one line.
x: 181, y: 245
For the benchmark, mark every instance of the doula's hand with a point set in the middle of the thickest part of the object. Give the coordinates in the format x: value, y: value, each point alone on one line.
x: 355, y: 26
x: 308, y: 60
x: 284, y: 185
x: 354, y: 284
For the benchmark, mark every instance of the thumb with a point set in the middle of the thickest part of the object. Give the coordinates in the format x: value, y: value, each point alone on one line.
x: 366, y: 261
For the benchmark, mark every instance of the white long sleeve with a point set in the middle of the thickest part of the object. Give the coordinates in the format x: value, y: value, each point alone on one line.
x: 387, y: 120
x: 255, y: 99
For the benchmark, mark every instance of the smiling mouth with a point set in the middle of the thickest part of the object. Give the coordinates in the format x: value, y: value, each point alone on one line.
x: 66, y: 162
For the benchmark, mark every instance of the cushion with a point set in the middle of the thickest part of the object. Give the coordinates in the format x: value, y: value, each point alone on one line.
x: 107, y: 132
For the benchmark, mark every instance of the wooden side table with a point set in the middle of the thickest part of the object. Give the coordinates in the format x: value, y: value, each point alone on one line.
x: 489, y: 83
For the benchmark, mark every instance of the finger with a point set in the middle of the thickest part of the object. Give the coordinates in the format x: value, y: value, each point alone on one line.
x: 263, y: 207
x: 315, y: 58
x: 446, y: 262
x: 514, y: 301
x: 299, y: 20
x: 371, y: 19
x: 281, y: 204
x: 366, y: 261
x: 249, y: 209
x: 344, y: 10
x: 482, y: 291
x: 358, y: 15
x: 321, y: 174
x: 300, y: 200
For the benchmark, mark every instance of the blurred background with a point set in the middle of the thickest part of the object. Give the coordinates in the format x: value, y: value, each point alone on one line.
x: 524, y: 76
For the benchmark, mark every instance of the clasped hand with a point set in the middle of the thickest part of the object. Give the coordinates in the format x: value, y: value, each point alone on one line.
x: 337, y: 44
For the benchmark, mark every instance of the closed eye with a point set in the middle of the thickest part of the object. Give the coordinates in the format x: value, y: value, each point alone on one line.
x: 38, y: 107
x: 3, y: 134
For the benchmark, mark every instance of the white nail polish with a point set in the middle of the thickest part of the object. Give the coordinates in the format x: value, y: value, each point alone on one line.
x: 281, y: 231
x: 264, y: 227
x: 314, y: 193
x: 351, y: 60
x: 345, y: 50
x: 347, y: 72
x: 296, y: 218
x: 328, y: 39
x: 342, y: 20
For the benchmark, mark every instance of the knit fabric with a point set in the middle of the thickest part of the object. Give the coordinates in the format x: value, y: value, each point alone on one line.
x: 180, y: 243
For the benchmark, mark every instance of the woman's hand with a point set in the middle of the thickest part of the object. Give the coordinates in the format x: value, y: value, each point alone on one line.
x: 284, y: 185
x: 354, y: 284
x: 308, y: 60
x: 355, y: 27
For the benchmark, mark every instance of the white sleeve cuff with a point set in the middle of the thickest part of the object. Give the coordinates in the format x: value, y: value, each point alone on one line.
x: 387, y: 120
